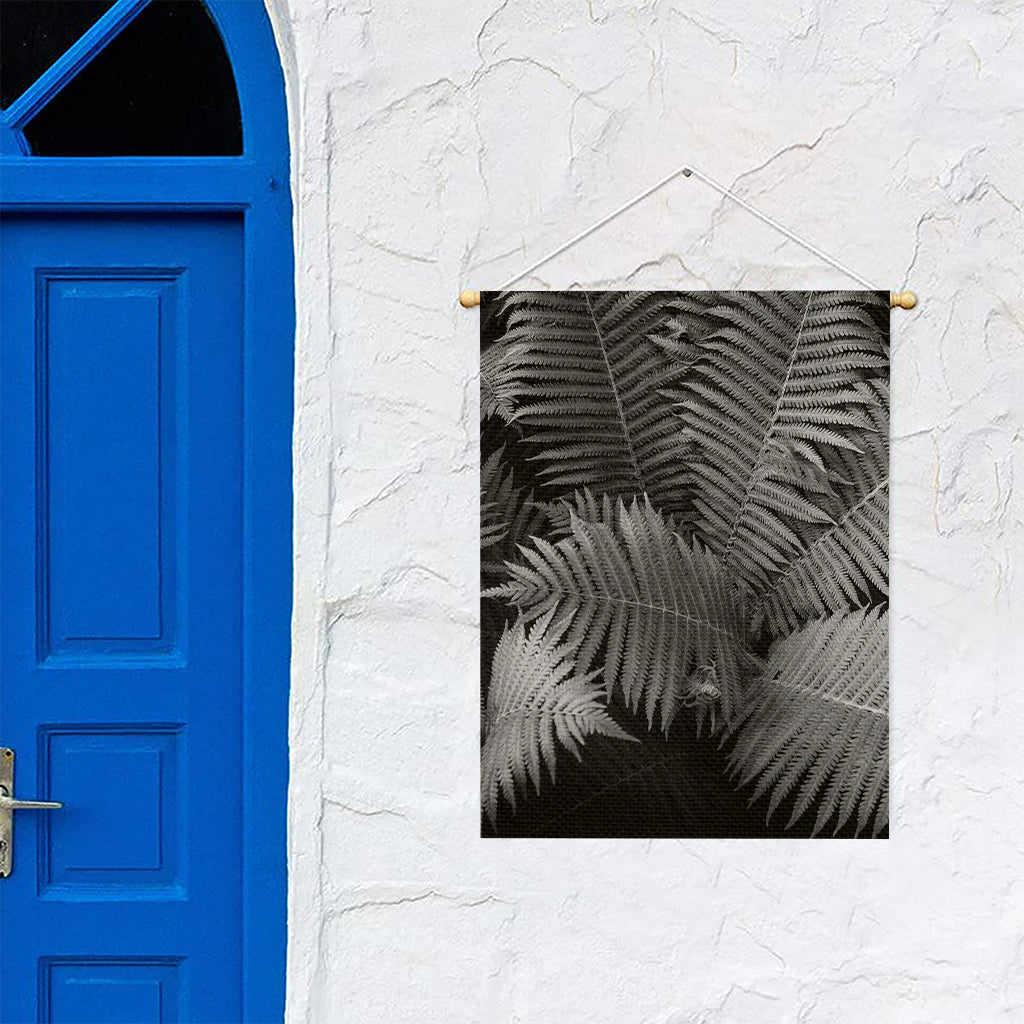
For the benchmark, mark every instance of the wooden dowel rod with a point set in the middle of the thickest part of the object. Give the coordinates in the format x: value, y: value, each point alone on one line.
x: 902, y: 300
x: 897, y: 300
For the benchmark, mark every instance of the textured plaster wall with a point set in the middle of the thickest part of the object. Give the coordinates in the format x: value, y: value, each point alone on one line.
x: 446, y: 144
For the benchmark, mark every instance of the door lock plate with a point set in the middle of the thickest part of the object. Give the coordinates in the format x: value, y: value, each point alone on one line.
x: 9, y: 804
x: 6, y: 816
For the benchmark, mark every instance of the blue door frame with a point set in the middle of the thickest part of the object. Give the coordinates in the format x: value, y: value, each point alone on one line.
x: 255, y: 188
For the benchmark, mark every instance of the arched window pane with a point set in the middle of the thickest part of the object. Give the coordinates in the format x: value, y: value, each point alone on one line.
x: 34, y: 33
x: 163, y: 87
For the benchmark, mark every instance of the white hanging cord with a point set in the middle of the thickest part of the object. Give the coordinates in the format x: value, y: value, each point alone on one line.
x: 906, y: 300
x: 595, y: 227
x: 791, y: 235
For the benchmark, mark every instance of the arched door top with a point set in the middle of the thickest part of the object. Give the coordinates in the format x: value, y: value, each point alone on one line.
x: 171, y: 83
x: 161, y: 86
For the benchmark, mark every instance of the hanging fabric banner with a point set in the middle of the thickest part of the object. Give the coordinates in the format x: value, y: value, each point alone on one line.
x: 684, y: 563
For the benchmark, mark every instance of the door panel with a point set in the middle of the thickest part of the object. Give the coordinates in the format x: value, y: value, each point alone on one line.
x: 120, y: 615
x: 109, y: 545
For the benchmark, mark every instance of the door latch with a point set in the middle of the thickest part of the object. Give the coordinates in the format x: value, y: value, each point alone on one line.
x: 9, y: 804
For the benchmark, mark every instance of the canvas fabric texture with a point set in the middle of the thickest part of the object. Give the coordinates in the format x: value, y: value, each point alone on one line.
x: 684, y: 564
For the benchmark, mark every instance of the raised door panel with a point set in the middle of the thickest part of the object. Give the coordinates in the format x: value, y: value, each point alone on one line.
x: 126, y: 990
x: 107, y: 366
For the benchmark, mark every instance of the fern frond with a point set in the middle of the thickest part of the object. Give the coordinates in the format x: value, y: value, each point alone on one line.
x: 594, y: 508
x: 536, y: 696
x: 657, y: 607
x: 838, y: 568
x: 815, y: 725
x: 586, y: 379
x: 497, y: 385
x: 585, y: 505
x: 686, y: 325
x: 508, y: 514
x: 499, y: 498
x: 781, y: 385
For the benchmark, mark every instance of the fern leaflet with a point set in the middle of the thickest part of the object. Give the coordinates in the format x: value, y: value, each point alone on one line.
x: 536, y: 696
x: 587, y: 383
x: 507, y: 518
x: 838, y: 568
x: 497, y: 385
x: 780, y: 385
x: 816, y: 723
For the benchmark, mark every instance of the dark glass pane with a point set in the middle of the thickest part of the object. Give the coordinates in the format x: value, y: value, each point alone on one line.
x: 163, y: 87
x: 34, y: 33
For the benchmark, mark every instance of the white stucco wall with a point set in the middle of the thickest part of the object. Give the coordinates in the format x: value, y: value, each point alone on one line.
x: 436, y: 137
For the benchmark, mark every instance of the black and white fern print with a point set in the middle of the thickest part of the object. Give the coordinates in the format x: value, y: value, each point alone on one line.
x: 684, y: 564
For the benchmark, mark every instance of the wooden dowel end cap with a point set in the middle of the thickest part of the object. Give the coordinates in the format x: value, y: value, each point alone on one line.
x: 468, y: 299
x: 905, y: 300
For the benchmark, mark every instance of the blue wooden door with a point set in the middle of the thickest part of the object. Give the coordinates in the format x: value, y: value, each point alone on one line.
x: 121, y: 611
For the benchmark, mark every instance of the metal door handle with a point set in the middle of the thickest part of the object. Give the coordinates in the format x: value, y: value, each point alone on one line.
x: 8, y: 804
